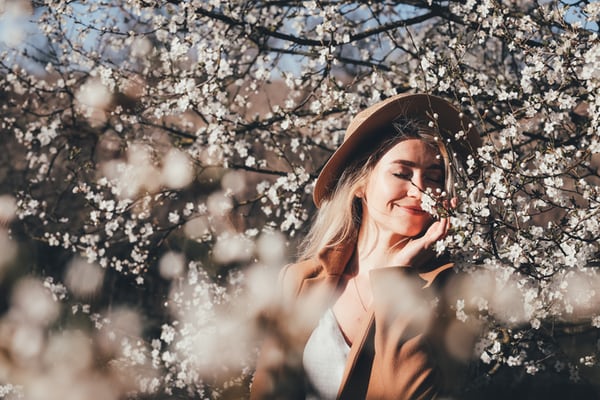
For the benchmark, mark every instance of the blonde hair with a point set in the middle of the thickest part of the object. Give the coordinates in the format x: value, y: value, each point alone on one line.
x: 339, y: 217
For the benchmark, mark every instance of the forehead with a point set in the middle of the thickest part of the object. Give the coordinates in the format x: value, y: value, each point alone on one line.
x: 415, y: 152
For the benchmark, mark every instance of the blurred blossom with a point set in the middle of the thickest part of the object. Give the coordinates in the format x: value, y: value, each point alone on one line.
x: 234, y: 182
x: 405, y: 298
x: 218, y: 204
x: 70, y: 351
x: 93, y: 99
x: 143, y: 172
x: 177, y: 171
x: 261, y: 283
x: 506, y: 303
x: 8, y: 209
x: 84, y: 278
x: 197, y: 228
x: 126, y: 321
x: 138, y: 154
x: 227, y: 342
x: 232, y: 248
x: 212, y: 155
x: 109, y: 145
x: 476, y: 289
x: 14, y: 8
x: 27, y: 342
x: 59, y: 384
x: 13, y: 19
x: 484, y: 291
x: 135, y: 175
x: 194, y: 299
x: 133, y: 86
x: 581, y: 293
x: 461, y: 338
x: 8, y: 249
x: 33, y: 303
x: 120, y: 323
x: 140, y: 47
x: 213, y: 334
x: 9, y: 391
x: 271, y: 248
x: 113, y: 171
x: 171, y: 265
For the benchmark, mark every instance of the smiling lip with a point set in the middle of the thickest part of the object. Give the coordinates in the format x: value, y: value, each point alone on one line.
x: 415, y: 210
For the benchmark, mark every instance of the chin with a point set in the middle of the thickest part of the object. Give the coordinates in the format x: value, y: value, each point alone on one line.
x: 409, y: 232
x: 412, y: 233
x: 400, y: 226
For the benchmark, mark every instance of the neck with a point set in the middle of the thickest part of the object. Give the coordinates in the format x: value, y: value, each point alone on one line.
x: 374, y: 246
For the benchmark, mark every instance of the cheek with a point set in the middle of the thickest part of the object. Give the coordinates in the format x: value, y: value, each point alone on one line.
x: 385, y: 187
x: 394, y: 187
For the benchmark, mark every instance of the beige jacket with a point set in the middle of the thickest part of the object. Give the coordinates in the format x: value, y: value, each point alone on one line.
x: 401, y: 353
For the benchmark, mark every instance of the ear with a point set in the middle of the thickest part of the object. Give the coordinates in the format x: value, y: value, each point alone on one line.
x: 361, y: 188
x: 360, y: 192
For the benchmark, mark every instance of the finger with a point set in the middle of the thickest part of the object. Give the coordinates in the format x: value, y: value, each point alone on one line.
x: 443, y: 228
x: 454, y: 202
x: 436, y: 231
x: 448, y: 227
x: 449, y: 205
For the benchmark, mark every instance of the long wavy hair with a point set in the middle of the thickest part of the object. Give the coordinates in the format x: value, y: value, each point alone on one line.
x: 340, y: 215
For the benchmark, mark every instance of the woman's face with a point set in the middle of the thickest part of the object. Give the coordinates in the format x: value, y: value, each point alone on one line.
x: 393, y: 190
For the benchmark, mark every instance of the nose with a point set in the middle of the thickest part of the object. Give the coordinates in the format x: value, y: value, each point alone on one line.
x: 416, y: 188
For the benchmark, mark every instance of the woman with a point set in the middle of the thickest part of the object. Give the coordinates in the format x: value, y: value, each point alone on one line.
x: 364, y: 313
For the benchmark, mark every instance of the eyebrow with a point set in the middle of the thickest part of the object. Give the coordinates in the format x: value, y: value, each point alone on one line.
x: 408, y: 163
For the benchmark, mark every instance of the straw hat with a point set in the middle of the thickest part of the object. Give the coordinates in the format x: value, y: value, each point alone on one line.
x: 363, y: 131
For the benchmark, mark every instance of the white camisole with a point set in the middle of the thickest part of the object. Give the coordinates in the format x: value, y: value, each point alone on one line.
x: 324, y: 358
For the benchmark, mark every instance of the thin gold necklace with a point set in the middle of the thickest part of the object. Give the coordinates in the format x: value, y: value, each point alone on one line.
x: 358, y: 293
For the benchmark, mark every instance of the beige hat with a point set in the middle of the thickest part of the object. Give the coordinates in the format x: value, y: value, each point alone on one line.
x: 363, y: 129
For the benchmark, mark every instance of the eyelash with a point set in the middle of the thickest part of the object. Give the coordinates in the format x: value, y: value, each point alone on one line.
x: 402, y: 176
x: 408, y: 178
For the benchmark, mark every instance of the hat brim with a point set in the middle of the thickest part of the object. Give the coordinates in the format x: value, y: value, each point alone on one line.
x: 363, y: 129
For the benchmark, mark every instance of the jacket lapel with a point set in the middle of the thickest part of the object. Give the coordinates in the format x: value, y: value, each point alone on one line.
x: 355, y: 380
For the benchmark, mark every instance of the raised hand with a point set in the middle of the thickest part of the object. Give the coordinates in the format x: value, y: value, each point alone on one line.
x: 417, y: 251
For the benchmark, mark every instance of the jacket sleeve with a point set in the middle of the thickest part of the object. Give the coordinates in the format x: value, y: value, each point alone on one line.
x: 278, y: 373
x: 409, y: 359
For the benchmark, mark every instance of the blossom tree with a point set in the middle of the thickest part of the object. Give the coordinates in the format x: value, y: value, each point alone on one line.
x: 158, y: 162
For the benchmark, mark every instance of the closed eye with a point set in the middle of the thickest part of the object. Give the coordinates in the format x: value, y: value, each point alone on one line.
x: 404, y: 176
x: 432, y: 181
x: 437, y: 180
